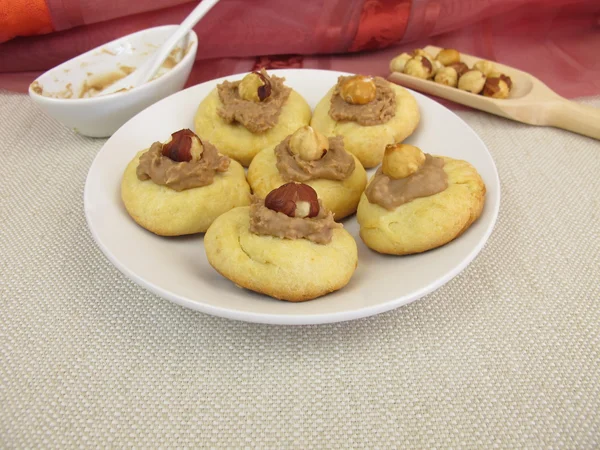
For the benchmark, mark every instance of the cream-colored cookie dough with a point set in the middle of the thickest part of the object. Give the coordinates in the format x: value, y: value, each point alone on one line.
x: 234, y: 140
x: 427, y: 222
x: 167, y: 212
x: 341, y: 197
x: 286, y: 269
x: 368, y: 143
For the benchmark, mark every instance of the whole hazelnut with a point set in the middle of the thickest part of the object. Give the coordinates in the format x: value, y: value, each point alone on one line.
x: 447, y: 76
x: 419, y: 67
x: 503, y: 77
x: 294, y: 200
x: 472, y: 81
x: 448, y: 56
x: 424, y: 54
x: 495, y: 87
x: 437, y: 66
x: 402, y: 160
x: 460, y: 67
x: 485, y: 67
x: 397, y: 64
x: 358, y: 90
x: 183, y: 145
x: 254, y: 87
x: 308, y: 143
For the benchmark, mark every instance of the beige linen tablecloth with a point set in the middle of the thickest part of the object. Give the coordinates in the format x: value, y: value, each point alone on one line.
x: 506, y: 355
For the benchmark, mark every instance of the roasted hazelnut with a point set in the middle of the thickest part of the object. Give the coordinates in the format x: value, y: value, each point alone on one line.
x: 358, y: 90
x: 448, y: 56
x: 495, y: 87
x: 424, y: 54
x: 397, y: 64
x: 460, y: 67
x: 503, y: 77
x: 402, y: 160
x: 419, y: 67
x: 485, y: 67
x: 447, y: 76
x: 255, y: 87
x: 183, y: 145
x: 472, y: 81
x: 308, y: 143
x: 294, y: 200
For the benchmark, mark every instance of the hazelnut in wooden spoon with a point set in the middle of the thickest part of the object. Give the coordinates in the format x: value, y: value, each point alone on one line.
x: 503, y: 77
x: 420, y: 66
x: 423, y: 54
x: 397, y: 64
x: 447, y: 76
x: 495, y: 88
x: 448, y: 56
x: 460, y: 67
x: 472, y: 81
x: 485, y: 67
x: 497, y: 85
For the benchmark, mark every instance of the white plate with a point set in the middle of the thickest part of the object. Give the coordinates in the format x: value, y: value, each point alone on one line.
x: 177, y: 268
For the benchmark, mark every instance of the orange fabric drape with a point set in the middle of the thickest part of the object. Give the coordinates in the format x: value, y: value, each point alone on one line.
x: 24, y: 18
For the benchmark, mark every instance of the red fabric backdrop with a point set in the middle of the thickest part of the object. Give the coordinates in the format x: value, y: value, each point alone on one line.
x: 556, y: 40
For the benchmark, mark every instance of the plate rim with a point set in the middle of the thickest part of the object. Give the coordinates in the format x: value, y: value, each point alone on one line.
x: 296, y: 319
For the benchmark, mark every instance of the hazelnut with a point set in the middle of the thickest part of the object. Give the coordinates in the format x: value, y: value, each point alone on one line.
x: 358, y: 90
x: 183, y: 145
x: 447, y: 76
x: 397, y: 64
x: 503, y: 77
x: 472, y: 81
x: 448, y: 56
x: 485, y: 67
x: 402, y: 160
x: 419, y: 66
x: 308, y: 143
x: 255, y: 87
x: 424, y: 54
x: 460, y: 67
x: 495, y: 87
x: 294, y: 200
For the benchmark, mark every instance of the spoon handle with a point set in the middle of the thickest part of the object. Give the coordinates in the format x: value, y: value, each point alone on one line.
x: 575, y: 117
x: 163, y: 52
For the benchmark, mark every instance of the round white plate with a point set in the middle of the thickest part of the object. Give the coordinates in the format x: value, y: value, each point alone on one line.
x: 177, y: 268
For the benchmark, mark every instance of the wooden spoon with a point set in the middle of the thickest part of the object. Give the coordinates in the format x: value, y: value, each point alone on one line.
x: 530, y: 101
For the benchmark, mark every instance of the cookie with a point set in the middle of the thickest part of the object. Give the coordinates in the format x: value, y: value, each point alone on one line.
x: 237, y: 141
x: 167, y: 212
x: 368, y: 142
x: 286, y: 269
x: 427, y: 222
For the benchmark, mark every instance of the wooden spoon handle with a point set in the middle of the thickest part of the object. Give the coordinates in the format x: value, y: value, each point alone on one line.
x: 581, y: 119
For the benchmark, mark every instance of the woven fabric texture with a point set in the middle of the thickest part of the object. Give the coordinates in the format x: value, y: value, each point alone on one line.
x: 506, y: 355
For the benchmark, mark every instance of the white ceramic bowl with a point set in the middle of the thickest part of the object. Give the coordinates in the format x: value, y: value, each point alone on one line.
x: 101, y: 116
